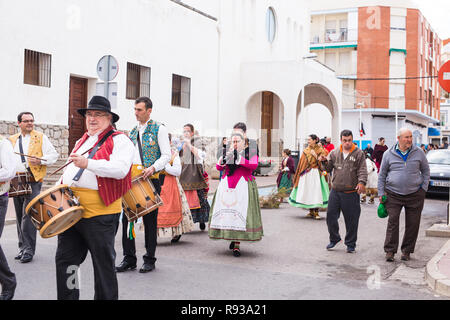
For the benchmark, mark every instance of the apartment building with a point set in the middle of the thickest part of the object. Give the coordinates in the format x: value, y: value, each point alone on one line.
x: 388, y: 58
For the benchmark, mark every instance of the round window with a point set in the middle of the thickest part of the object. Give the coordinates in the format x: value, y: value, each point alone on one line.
x: 270, y: 24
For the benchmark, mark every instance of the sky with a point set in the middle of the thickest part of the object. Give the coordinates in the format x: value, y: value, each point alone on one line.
x: 437, y: 14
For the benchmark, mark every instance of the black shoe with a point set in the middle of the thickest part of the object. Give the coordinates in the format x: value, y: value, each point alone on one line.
x: 236, y: 252
x: 8, y: 293
x: 350, y: 249
x: 19, y: 256
x: 124, y: 266
x: 175, y: 239
x: 231, y: 245
x: 405, y: 256
x: 389, y: 256
x: 26, y: 257
x: 202, y: 226
x: 147, y: 267
x: 331, y: 245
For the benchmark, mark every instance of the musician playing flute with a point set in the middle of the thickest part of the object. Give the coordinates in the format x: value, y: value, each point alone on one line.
x: 33, y: 153
x: 99, y: 179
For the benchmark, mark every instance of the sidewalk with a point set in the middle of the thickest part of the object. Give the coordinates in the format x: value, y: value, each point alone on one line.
x: 437, y: 272
x: 261, y: 181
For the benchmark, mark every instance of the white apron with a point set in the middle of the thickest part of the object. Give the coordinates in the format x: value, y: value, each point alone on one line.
x: 230, y: 206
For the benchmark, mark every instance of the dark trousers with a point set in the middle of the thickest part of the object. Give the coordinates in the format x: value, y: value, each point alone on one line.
x: 7, y: 278
x: 95, y: 235
x: 413, y: 204
x: 26, y: 231
x: 150, y: 235
x: 351, y: 210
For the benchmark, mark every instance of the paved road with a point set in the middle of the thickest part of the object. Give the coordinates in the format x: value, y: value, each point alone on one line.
x: 289, y: 263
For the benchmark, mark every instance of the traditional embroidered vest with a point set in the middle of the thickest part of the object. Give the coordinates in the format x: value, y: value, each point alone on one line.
x: 4, y: 186
x: 34, y: 149
x: 109, y: 189
x: 149, y: 142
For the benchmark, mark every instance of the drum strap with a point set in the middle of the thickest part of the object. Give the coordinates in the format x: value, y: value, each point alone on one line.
x: 140, y: 148
x: 92, y: 154
x: 21, y: 150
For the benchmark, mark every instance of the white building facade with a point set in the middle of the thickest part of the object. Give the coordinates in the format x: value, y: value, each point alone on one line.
x: 211, y: 63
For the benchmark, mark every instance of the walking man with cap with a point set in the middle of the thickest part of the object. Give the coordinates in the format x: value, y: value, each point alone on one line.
x: 348, y: 165
x: 403, y: 178
x: 99, y: 179
x: 29, y: 142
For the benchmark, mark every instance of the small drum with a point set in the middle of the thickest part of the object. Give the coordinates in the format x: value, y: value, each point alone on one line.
x: 20, y: 185
x: 141, y: 199
x: 54, y: 211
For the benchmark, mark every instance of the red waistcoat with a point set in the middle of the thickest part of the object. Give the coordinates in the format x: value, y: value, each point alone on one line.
x: 110, y: 189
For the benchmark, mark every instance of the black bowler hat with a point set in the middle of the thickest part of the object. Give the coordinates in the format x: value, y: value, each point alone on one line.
x: 101, y: 104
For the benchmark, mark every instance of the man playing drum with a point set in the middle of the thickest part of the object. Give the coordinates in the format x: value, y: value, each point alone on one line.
x: 36, y: 145
x: 7, y: 172
x: 99, y: 178
x: 151, y: 140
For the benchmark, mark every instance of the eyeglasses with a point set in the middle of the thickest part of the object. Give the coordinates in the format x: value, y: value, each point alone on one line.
x: 96, y: 114
x: 27, y: 121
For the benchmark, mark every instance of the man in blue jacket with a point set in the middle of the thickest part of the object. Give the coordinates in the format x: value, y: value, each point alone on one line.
x: 403, y: 178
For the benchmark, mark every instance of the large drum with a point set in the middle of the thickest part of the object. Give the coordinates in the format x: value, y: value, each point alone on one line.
x: 54, y: 211
x: 20, y: 185
x: 141, y: 199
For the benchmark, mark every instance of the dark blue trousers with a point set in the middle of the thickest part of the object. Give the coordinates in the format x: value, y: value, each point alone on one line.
x: 349, y: 204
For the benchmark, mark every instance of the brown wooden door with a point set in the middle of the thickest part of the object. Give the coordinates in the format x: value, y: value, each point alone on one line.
x: 267, y: 120
x: 77, y: 100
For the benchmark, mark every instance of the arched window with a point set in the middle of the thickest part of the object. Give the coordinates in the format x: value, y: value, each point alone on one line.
x: 271, y: 26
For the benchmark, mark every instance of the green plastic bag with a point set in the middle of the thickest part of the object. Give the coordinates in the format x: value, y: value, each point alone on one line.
x: 382, y: 212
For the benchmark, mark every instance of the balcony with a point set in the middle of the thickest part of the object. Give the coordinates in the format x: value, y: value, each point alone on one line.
x: 334, y: 37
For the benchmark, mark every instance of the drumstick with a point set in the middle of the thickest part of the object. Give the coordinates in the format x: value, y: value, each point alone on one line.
x: 25, y: 155
x: 62, y: 167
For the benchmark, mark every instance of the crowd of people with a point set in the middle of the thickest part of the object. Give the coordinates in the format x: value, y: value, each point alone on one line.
x: 340, y: 179
x: 105, y: 164
x: 102, y: 169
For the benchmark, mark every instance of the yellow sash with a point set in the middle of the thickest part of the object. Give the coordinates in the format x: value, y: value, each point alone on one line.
x: 35, y: 149
x: 93, y: 203
x: 136, y: 169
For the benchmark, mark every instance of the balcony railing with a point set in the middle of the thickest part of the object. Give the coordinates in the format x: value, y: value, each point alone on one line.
x: 333, y: 36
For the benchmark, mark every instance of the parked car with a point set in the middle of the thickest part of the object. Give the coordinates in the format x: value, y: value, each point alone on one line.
x: 439, y: 161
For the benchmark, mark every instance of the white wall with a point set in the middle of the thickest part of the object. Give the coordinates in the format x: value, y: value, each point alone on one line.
x: 158, y: 34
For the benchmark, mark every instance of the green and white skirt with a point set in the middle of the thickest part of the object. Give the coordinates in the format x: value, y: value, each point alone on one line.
x: 227, y: 219
x: 312, y: 191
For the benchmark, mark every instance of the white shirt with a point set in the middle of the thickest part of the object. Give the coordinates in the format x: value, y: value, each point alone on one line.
x: 116, y: 167
x: 49, y: 154
x: 345, y: 154
x: 164, y: 147
x: 175, y: 168
x: 7, y: 161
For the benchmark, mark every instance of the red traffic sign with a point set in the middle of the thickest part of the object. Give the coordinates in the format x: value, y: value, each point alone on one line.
x: 444, y: 76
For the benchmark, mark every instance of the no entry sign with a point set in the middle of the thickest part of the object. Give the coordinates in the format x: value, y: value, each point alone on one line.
x: 444, y: 76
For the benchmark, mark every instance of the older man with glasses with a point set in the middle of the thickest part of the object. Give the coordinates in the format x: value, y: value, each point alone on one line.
x: 99, y: 179
x: 403, y: 178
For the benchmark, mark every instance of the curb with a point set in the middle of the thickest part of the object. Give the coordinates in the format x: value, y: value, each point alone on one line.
x: 437, y: 281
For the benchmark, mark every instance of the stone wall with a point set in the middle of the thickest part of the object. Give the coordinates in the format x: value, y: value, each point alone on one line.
x: 58, y: 135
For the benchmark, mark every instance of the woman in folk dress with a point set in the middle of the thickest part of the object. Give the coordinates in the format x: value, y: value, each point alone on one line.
x: 287, y: 171
x: 174, y: 216
x: 310, y: 189
x: 235, y: 212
